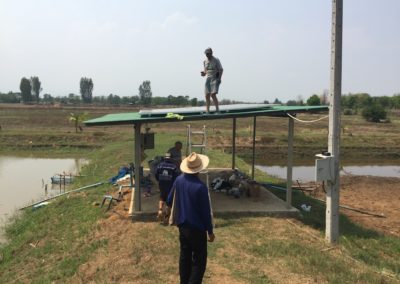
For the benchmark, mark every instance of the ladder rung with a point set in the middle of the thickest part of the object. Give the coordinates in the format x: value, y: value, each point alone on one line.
x: 198, y: 145
x: 198, y: 132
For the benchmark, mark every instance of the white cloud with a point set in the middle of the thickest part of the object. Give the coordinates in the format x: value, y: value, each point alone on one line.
x: 178, y: 18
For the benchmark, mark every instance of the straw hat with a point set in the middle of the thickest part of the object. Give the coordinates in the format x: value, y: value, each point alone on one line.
x: 194, y: 163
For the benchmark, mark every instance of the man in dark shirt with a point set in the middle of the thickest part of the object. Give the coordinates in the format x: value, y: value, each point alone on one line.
x: 191, y: 212
x: 176, y: 153
x: 166, y: 174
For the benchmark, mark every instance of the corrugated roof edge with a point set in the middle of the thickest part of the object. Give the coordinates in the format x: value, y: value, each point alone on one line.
x: 135, y: 117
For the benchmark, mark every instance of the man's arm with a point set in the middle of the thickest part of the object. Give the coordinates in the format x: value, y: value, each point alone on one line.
x: 204, y: 72
x: 220, y: 70
x: 220, y: 74
x: 157, y: 173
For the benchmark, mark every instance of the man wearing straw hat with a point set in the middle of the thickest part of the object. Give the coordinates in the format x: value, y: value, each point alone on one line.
x: 191, y: 212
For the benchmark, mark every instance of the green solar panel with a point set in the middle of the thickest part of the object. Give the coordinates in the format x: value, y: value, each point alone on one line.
x: 188, y: 114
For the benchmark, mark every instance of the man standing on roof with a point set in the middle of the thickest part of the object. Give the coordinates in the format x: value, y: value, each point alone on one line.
x: 191, y: 212
x: 213, y: 71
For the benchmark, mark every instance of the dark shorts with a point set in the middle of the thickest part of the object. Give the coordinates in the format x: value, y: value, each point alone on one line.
x: 164, y: 193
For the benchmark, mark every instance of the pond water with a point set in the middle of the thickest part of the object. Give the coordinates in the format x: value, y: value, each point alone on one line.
x: 23, y: 180
x: 307, y: 173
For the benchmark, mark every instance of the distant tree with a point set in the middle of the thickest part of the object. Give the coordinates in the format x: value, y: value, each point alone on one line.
x: 225, y: 102
x: 277, y: 102
x: 145, y: 93
x: 313, y: 101
x: 265, y: 102
x: 113, y: 99
x: 25, y: 87
x: 9, y: 98
x: 86, y: 89
x: 47, y: 98
x: 349, y: 101
x: 159, y: 101
x: 291, y: 103
x: 77, y: 119
x: 134, y: 100
x: 363, y: 100
x: 384, y: 101
x: 374, y: 113
x: 36, y: 87
x: 99, y: 100
x: 73, y: 99
x: 396, y: 101
x: 181, y: 100
x: 193, y: 102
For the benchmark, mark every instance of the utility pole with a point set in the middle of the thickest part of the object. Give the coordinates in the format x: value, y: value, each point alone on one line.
x: 332, y: 195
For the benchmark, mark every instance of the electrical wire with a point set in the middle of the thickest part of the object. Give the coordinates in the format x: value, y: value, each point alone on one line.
x: 306, y: 121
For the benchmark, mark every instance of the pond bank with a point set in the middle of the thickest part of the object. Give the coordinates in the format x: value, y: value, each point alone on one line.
x: 307, y: 173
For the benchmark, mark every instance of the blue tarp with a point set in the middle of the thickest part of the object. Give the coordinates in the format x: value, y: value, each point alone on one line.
x: 121, y: 173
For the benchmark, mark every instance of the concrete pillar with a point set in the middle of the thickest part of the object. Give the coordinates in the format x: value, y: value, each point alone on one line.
x: 289, y: 173
x: 233, y: 143
x: 332, y: 195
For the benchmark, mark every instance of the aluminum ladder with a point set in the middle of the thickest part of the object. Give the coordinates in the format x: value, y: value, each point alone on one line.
x: 200, y: 137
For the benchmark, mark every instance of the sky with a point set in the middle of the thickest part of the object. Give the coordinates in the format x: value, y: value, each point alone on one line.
x: 268, y: 48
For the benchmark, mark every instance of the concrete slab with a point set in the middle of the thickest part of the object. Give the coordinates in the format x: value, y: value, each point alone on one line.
x: 223, y: 204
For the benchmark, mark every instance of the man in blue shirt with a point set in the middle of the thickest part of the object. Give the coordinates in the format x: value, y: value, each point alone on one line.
x: 166, y: 174
x: 191, y: 212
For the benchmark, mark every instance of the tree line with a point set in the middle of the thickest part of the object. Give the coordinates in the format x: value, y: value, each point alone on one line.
x: 372, y: 108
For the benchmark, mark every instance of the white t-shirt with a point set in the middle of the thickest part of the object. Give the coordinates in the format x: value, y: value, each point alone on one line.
x: 212, y: 67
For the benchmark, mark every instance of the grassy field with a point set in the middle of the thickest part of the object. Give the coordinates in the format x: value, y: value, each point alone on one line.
x: 73, y: 240
x: 47, y: 131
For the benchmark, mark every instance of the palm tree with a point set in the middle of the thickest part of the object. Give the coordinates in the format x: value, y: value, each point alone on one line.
x: 77, y: 118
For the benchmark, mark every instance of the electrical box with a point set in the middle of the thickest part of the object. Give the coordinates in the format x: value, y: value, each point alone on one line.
x: 324, y: 168
x: 147, y: 140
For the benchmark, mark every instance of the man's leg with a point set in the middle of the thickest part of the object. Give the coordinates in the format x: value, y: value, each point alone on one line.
x: 207, y: 91
x: 185, y: 258
x: 215, y: 100
x: 208, y: 102
x: 163, y: 198
x: 160, y: 210
x: 199, y: 246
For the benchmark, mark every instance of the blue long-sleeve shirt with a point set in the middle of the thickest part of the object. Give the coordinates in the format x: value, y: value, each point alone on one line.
x: 193, y: 203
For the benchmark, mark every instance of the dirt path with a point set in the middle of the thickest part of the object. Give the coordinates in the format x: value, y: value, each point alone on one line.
x: 131, y: 254
x: 378, y: 195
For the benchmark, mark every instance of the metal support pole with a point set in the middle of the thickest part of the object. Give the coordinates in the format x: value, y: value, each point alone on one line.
x: 138, y: 158
x: 332, y: 195
x: 233, y: 143
x: 254, y: 146
x: 289, y: 173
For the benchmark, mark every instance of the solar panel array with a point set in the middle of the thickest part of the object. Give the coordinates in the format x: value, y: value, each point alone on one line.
x: 202, y: 109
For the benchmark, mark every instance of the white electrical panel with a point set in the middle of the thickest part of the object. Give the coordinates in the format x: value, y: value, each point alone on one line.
x: 324, y: 168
